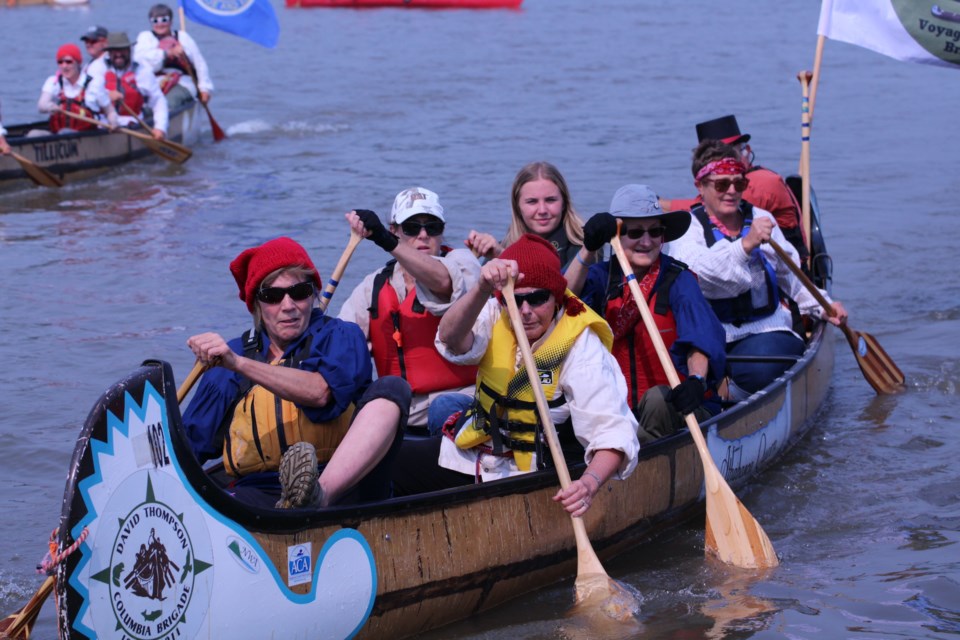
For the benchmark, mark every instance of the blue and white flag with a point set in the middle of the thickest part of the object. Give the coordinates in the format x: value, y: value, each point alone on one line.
x: 925, y: 31
x: 251, y: 19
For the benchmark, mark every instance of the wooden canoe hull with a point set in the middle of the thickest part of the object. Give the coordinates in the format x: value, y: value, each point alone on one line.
x: 387, y: 570
x: 74, y: 156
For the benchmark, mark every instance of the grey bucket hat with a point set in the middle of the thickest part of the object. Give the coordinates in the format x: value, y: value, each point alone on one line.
x: 118, y: 40
x: 640, y: 201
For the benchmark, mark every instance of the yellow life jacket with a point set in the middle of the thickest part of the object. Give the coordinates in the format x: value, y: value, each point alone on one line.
x: 505, y: 407
x: 254, y: 443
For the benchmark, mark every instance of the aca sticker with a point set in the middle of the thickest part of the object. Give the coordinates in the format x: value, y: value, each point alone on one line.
x: 299, y: 564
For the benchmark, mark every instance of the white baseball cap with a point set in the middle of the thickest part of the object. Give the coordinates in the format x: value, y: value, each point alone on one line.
x: 415, y: 201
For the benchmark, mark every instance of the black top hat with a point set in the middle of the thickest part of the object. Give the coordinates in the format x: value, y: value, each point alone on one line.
x: 724, y: 129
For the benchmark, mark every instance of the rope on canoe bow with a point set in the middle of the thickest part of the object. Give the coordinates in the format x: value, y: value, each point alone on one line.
x: 48, y: 565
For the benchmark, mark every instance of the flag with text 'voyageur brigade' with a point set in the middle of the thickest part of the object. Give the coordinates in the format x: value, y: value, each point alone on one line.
x: 924, y: 31
x: 251, y: 19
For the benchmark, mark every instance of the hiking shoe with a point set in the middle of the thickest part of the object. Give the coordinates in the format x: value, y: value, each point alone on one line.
x: 298, y: 478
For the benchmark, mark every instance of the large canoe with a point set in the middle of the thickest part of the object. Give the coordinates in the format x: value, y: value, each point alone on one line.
x: 412, y: 4
x: 78, y: 155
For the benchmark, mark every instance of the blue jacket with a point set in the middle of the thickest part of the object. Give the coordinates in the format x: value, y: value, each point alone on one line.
x: 338, y: 352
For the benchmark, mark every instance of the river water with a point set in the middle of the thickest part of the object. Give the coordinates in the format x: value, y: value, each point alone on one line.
x: 353, y: 106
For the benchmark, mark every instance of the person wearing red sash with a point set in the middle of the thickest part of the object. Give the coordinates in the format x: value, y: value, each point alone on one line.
x: 131, y: 86
x: 399, y: 307
x: 73, y: 91
x: 689, y: 328
x: 175, y: 57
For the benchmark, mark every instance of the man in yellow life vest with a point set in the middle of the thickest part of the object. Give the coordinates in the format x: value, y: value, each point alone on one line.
x: 500, y: 434
x: 294, y: 390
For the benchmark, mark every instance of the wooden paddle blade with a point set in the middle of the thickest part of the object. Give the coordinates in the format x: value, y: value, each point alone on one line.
x: 35, y: 172
x: 218, y: 133
x: 733, y: 535
x: 877, y: 367
x: 17, y: 626
x: 166, y: 149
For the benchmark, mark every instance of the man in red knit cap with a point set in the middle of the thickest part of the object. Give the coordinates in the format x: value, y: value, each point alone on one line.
x: 292, y: 391
x: 499, y: 435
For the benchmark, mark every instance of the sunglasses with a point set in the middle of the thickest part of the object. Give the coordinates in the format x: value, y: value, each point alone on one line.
x: 534, y: 298
x: 638, y: 232
x: 275, y: 295
x: 722, y: 185
x: 66, y: 61
x: 412, y: 229
x: 160, y: 19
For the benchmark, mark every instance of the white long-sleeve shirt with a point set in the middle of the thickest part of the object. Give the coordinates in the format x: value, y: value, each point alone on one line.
x: 595, y: 392
x: 147, y: 50
x: 724, y: 271
x: 94, y: 97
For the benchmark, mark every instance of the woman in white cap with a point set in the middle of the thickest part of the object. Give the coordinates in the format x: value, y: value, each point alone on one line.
x: 399, y: 307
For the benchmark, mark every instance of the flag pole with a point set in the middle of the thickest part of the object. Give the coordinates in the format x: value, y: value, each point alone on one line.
x: 183, y: 19
x: 817, y: 59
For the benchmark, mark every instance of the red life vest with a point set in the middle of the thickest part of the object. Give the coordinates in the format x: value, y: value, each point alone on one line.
x: 635, y: 352
x: 127, y: 85
x: 401, y: 339
x: 76, y: 105
x: 173, y: 66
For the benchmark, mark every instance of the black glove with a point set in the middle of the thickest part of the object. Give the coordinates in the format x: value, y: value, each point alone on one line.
x: 688, y: 395
x: 378, y: 233
x: 598, y: 231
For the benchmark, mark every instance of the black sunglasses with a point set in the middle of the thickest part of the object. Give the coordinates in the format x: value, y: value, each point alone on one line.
x: 412, y: 229
x: 722, y: 185
x: 534, y: 298
x: 275, y: 295
x: 637, y: 233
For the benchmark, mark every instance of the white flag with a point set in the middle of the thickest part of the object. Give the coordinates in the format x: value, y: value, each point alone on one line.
x: 912, y: 30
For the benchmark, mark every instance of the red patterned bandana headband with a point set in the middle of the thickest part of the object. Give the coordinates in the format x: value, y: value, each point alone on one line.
x: 721, y: 167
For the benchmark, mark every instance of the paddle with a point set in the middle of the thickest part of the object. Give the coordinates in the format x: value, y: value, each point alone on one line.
x: 19, y: 624
x: 166, y: 149
x: 591, y: 577
x: 338, y: 270
x: 179, y: 147
x: 37, y: 173
x: 218, y: 133
x: 878, y: 368
x: 732, y: 533
x: 805, y: 158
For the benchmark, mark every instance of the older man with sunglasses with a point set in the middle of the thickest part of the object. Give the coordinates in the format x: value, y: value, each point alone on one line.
x: 687, y: 324
x: 293, y: 391
x: 399, y: 307
x: 754, y: 293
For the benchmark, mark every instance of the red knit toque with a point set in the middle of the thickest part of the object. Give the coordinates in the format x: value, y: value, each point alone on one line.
x: 254, y: 264
x: 69, y: 51
x: 539, y: 263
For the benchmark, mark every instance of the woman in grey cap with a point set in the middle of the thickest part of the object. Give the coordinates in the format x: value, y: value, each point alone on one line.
x: 688, y: 326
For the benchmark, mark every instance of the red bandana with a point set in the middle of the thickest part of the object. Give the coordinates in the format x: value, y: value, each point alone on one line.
x: 721, y: 167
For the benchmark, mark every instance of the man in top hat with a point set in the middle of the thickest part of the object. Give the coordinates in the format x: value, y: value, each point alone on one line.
x: 131, y: 86
x: 766, y: 189
x: 95, y: 41
x: 175, y: 57
x: 399, y: 306
x: 689, y: 327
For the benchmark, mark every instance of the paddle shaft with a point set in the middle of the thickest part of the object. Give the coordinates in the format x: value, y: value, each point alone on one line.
x: 338, y: 270
x: 805, y: 160
x: 587, y: 560
x: 746, y: 545
x: 28, y: 615
x: 149, y: 141
x: 35, y: 172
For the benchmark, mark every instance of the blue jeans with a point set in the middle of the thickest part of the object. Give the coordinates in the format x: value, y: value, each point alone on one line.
x: 753, y: 376
x: 444, y: 406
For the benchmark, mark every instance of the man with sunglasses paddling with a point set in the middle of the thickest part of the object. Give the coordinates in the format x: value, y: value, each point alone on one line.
x: 399, y: 307
x: 173, y: 55
x: 293, y: 391
x: 687, y: 324
x: 754, y: 294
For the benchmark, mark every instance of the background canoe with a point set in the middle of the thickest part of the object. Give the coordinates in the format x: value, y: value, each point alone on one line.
x: 412, y: 4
